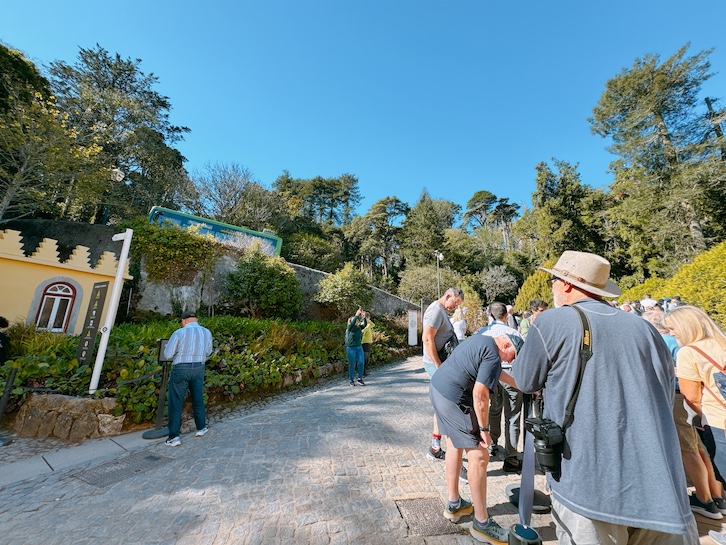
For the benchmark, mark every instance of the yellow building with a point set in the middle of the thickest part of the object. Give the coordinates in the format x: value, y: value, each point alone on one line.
x: 39, y: 289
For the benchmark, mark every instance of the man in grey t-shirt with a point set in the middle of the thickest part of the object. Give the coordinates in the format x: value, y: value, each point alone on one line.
x: 437, y: 330
x: 621, y: 478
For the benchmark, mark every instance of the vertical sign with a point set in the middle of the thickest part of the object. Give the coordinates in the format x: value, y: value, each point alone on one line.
x: 90, y: 326
x: 412, y: 328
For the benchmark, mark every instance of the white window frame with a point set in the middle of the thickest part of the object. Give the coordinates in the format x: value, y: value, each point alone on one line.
x: 55, y: 294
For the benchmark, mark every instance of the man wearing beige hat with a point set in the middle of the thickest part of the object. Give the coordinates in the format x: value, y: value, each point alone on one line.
x: 619, y: 477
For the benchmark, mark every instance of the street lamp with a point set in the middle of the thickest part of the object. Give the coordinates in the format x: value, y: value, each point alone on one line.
x: 439, y: 257
x: 116, y: 176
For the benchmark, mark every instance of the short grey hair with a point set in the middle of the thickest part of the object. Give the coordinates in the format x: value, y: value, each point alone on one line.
x: 456, y: 292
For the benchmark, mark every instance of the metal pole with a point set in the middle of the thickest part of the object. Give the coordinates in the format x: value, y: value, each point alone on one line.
x: 113, y: 307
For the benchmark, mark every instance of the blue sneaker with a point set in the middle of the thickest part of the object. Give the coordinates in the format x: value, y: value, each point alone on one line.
x: 490, y: 532
x: 461, y: 509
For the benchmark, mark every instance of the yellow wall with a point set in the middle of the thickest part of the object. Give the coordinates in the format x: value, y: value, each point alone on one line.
x: 22, y: 279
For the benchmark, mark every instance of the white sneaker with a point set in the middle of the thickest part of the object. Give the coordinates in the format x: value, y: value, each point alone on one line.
x: 174, y: 441
x: 201, y: 432
x: 718, y: 537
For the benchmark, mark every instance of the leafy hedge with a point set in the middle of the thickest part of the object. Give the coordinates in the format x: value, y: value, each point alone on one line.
x: 249, y: 356
x: 701, y: 283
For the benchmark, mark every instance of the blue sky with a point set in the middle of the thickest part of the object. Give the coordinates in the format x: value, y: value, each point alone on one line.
x: 453, y: 97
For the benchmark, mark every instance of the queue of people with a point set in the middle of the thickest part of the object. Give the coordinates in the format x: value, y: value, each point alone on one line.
x: 610, y: 484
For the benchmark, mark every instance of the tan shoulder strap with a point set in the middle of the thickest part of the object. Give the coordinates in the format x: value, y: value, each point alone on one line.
x: 717, y: 366
x: 709, y: 358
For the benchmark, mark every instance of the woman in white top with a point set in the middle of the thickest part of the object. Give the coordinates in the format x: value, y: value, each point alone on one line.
x: 457, y: 320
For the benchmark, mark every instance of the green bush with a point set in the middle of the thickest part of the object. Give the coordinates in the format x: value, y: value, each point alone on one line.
x: 249, y: 356
x: 535, y: 286
x: 264, y: 286
x: 701, y: 283
x: 345, y: 291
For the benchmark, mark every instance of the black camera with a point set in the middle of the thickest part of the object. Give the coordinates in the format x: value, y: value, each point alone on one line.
x: 548, y: 441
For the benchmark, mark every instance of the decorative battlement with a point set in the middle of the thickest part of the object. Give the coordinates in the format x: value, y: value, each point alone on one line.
x: 46, y: 253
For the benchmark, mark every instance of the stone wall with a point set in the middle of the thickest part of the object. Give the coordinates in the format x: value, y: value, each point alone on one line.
x: 68, y: 418
x: 157, y: 297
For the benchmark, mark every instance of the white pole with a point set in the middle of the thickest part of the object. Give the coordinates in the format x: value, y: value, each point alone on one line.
x: 112, y: 307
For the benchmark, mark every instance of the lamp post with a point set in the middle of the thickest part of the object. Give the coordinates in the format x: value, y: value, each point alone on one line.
x: 116, y: 176
x: 439, y: 257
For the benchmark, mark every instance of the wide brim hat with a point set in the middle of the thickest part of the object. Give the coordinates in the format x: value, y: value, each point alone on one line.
x: 589, y: 272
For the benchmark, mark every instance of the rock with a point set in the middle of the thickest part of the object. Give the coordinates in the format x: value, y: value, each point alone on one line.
x: 109, y: 424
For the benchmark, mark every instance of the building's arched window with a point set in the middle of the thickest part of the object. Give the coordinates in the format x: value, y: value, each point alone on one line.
x: 55, y: 307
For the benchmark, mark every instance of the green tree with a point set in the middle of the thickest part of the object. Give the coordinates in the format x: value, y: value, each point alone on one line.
x: 478, y: 208
x: 314, y: 251
x: 374, y: 237
x: 423, y: 229
x: 20, y: 80
x: 649, y: 110
x: 323, y: 200
x: 112, y: 104
x: 465, y: 253
x: 421, y: 283
x: 566, y: 213
x: 40, y: 155
x: 40, y: 158
x: 264, y: 287
x: 502, y: 216
x: 669, y: 198
x: 345, y: 291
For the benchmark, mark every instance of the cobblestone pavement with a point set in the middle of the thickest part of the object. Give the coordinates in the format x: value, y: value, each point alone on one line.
x: 322, y: 465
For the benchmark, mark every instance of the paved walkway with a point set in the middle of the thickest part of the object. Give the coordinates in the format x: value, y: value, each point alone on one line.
x: 331, y: 464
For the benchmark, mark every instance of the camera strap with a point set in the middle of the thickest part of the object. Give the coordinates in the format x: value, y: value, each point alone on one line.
x: 585, y: 354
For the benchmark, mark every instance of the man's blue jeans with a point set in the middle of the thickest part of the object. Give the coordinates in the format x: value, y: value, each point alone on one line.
x: 186, y: 376
x: 355, y: 355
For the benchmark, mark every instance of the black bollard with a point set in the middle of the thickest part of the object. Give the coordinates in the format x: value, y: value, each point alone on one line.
x: 5, y: 440
x: 160, y: 430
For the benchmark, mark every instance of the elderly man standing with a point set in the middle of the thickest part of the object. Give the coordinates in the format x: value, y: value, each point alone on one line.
x: 437, y: 331
x: 460, y: 393
x: 189, y: 347
x: 621, y: 477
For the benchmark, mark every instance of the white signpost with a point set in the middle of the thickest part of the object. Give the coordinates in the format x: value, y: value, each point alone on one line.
x: 112, y: 307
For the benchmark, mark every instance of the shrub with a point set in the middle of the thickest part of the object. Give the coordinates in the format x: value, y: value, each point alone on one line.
x: 264, y: 287
x: 535, y: 286
x: 250, y: 355
x: 703, y: 283
x: 345, y: 291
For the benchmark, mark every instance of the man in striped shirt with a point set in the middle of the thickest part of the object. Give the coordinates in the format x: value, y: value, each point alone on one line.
x: 188, y: 348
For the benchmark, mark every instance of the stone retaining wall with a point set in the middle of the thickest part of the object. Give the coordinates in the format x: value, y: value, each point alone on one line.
x: 69, y: 418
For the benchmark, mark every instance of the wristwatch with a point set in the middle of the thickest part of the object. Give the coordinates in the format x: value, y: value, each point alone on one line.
x: 484, y: 428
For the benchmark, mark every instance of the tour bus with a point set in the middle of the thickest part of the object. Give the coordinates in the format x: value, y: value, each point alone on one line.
x: 269, y: 243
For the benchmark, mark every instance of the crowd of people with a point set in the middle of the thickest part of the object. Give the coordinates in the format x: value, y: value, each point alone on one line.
x: 636, y: 390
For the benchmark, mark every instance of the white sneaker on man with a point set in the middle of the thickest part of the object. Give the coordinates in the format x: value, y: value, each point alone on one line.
x: 201, y: 432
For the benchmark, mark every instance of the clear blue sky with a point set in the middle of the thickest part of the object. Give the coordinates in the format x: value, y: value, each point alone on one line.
x: 454, y: 96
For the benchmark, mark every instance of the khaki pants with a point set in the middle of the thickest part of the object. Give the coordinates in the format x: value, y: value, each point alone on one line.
x: 574, y: 529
